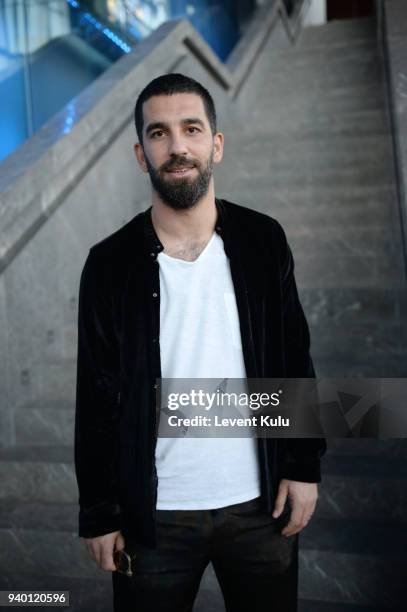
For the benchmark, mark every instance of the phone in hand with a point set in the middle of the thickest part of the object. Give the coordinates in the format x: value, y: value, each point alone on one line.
x: 122, y: 561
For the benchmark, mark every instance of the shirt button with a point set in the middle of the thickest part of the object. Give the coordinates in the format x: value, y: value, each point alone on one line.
x: 152, y: 254
x: 155, y: 294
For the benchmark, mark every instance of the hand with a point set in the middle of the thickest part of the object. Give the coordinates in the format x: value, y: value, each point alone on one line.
x: 303, y: 498
x: 101, y: 549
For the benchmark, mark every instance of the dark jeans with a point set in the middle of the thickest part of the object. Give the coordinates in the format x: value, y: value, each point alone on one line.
x: 257, y: 567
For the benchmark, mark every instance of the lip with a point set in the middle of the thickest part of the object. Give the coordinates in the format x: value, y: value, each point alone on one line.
x: 181, y: 171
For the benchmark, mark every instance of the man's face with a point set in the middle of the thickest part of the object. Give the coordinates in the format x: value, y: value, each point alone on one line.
x: 178, y: 149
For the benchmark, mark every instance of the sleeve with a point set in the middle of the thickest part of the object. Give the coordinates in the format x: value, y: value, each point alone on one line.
x: 97, y: 409
x: 302, y: 456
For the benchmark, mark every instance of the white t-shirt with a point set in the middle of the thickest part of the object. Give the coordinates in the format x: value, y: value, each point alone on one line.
x: 200, y: 338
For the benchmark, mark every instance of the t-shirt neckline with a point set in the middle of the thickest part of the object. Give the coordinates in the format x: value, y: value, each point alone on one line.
x: 184, y: 261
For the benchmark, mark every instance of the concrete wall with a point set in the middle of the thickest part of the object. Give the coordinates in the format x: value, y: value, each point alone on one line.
x: 67, y: 188
x: 316, y: 14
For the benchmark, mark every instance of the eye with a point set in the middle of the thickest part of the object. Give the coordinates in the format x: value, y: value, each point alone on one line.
x: 156, y: 134
x: 192, y: 129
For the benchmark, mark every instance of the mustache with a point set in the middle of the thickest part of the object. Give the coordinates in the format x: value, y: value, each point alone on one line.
x: 179, y: 162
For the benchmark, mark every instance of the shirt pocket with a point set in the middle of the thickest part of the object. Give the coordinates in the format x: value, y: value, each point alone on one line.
x: 232, y: 316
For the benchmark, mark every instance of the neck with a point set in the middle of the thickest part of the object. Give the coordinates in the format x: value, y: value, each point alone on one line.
x: 195, y: 223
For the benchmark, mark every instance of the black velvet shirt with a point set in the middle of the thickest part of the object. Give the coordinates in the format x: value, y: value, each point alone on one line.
x: 119, y: 365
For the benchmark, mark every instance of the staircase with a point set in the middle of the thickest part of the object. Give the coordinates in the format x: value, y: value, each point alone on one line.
x: 313, y: 149
x: 311, y: 146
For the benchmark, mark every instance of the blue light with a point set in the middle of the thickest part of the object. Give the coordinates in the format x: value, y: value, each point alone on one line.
x: 106, y: 31
x: 70, y: 117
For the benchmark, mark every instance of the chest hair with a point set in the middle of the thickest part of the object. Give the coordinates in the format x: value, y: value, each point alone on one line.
x: 188, y: 252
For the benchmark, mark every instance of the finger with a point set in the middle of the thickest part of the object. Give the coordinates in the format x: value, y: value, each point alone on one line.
x: 299, y: 524
x: 119, y: 543
x: 106, y: 559
x: 295, y: 523
x: 291, y: 529
x: 280, y: 500
x: 97, y: 553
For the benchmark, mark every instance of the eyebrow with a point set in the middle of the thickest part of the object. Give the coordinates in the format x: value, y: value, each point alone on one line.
x: 160, y: 125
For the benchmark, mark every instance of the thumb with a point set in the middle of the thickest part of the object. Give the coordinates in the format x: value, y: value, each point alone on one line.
x: 281, y: 499
x: 119, y: 542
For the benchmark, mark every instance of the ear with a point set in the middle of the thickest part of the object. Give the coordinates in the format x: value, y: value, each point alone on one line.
x: 218, y: 142
x: 139, y: 153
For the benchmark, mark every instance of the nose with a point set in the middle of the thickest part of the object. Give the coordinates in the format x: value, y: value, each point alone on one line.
x: 177, y: 145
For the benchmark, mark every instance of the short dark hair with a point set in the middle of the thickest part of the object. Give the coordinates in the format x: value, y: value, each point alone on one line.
x: 167, y: 85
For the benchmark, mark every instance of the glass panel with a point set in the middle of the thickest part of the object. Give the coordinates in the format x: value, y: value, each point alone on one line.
x: 50, y: 50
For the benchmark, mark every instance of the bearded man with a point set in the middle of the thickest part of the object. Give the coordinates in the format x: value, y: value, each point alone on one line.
x: 194, y: 287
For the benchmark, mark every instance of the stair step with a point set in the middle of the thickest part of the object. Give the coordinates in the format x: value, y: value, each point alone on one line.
x: 351, y: 272
x: 52, y: 516
x: 341, y: 194
x: 371, y: 242
x: 357, y: 537
x: 45, y: 425
x: 349, y: 307
x: 354, y: 123
x: 347, y: 56
x: 362, y: 498
x: 347, y: 97
x: 44, y: 552
x: 38, y: 474
x: 363, y: 340
x: 280, y: 176
x: 320, y: 56
x: 326, y: 215
x: 362, y: 447
x: 323, y: 206
x: 50, y: 454
x: 338, y: 73
x: 56, y: 379
x: 339, y: 32
x: 306, y: 176
x: 333, y: 212
x: 284, y: 110
x: 312, y: 605
x: 352, y: 578
x: 393, y: 366
x: 311, y: 154
x: 319, y: 115
x: 316, y: 149
x: 364, y: 467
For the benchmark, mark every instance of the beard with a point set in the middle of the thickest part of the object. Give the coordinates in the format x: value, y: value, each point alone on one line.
x: 181, y: 193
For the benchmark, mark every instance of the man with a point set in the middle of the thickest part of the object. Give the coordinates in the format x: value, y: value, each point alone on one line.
x: 194, y: 287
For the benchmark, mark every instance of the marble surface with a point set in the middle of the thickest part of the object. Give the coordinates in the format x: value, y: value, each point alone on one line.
x: 348, y: 578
